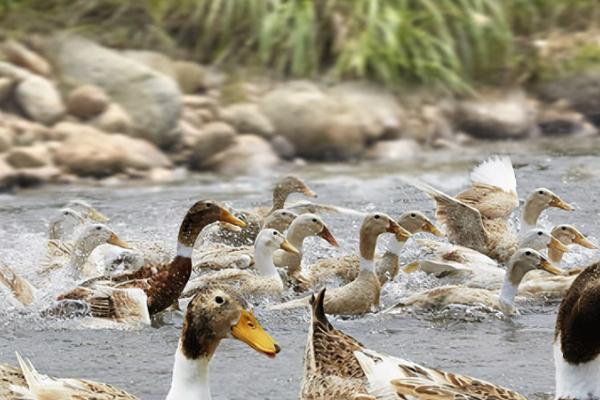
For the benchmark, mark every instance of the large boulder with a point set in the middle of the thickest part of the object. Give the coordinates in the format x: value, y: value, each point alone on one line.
x: 153, y: 60
x: 20, y: 55
x: 40, y: 99
x: 509, y: 115
x: 317, y: 124
x: 582, y: 91
x: 87, y: 101
x: 89, y: 152
x: 248, y: 155
x: 247, y: 118
x: 152, y: 99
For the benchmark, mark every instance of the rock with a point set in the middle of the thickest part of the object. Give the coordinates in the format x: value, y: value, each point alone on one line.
x: 582, y: 91
x: 6, y: 87
x: 114, y: 119
x: 87, y: 101
x: 192, y: 117
x: 249, y: 155
x: 247, y: 118
x: 213, y: 138
x: 557, y: 120
x: 8, y: 70
x: 378, y: 109
x: 151, y: 99
x: 394, y: 150
x: 40, y: 100
x: 153, y: 60
x: 37, y: 176
x: 29, y: 157
x: 7, y: 138
x: 28, y: 132
x: 504, y: 116
x: 200, y: 102
x: 8, y: 175
x: 315, y: 123
x: 20, y: 55
x: 191, y: 77
x: 90, y: 152
x: 283, y: 147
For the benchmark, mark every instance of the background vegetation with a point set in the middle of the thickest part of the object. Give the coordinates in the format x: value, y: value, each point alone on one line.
x: 448, y: 43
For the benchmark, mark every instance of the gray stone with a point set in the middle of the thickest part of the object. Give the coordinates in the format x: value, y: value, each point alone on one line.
x: 248, y: 155
x: 152, y: 99
x: 114, y: 119
x: 87, y: 101
x: 40, y: 99
x: 247, y: 118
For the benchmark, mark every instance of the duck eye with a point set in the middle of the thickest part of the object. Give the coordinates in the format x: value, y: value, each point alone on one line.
x: 376, y: 216
x: 527, y: 253
x: 98, y: 228
x: 314, y: 220
x: 541, y: 192
x: 540, y: 233
x: 413, y: 215
x: 66, y: 213
x: 564, y: 228
x: 219, y: 300
x: 274, y: 233
x: 208, y: 205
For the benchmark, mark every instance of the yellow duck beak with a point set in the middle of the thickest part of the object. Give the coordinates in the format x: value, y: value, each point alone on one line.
x: 228, y: 217
x: 559, y: 203
x: 308, y: 192
x: 401, y: 233
x: 549, y: 267
x: 584, y: 242
x: 287, y: 246
x: 431, y: 228
x: 249, y: 331
x: 328, y: 236
x: 557, y: 245
x: 117, y: 241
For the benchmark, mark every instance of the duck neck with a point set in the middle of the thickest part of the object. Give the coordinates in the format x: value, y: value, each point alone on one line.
x: 575, y: 381
x: 555, y: 255
x: 296, y: 237
x: 184, y: 251
x: 263, y: 262
x: 280, y: 195
x: 395, y: 247
x: 367, y: 244
x: 513, y: 277
x: 82, y: 249
x: 531, y: 214
x: 190, y: 378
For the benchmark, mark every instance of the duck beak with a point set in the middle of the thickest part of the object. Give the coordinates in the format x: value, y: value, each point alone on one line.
x: 559, y: 203
x: 228, y: 217
x: 581, y: 240
x: 431, y: 228
x: 249, y: 331
x: 328, y: 236
x: 287, y: 246
x: 117, y: 241
x: 396, y: 229
x: 557, y: 245
x: 308, y: 192
x: 97, y: 215
x: 549, y: 267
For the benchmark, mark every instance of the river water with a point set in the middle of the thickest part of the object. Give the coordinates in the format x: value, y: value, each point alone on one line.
x: 515, y: 352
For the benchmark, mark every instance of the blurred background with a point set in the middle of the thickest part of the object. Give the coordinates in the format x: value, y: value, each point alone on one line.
x: 109, y: 91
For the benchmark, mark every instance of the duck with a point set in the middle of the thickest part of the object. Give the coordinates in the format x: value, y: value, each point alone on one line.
x: 135, y: 297
x: 477, y: 218
x: 254, y: 219
x: 63, y: 223
x: 265, y: 282
x: 75, y: 256
x: 346, y: 268
x: 537, y: 201
x: 21, y: 289
x: 337, y: 366
x: 469, y: 267
x: 362, y: 295
x: 216, y: 256
x: 568, y: 235
x: 520, y: 263
x: 214, y: 314
x: 87, y: 211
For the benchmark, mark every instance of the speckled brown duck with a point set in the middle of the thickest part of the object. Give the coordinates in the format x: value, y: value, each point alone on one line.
x: 153, y: 288
x: 336, y: 366
x: 214, y: 314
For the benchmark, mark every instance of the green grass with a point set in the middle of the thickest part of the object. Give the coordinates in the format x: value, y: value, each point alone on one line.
x: 446, y: 43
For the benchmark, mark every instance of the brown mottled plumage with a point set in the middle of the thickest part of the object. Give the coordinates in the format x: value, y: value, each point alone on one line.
x: 165, y: 286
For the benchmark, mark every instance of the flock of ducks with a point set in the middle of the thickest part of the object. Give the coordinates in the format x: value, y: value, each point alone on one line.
x: 225, y: 256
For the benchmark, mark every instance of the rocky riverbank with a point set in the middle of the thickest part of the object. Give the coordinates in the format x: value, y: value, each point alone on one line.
x: 72, y: 110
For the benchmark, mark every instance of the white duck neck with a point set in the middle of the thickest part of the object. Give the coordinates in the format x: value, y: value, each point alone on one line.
x: 575, y: 381
x: 395, y: 246
x: 184, y: 251
x: 190, y: 378
x: 296, y: 236
x: 508, y: 292
x: 82, y: 249
x: 263, y: 262
x: 530, y: 215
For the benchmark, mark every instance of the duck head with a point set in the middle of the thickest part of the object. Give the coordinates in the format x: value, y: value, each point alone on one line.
x: 416, y: 221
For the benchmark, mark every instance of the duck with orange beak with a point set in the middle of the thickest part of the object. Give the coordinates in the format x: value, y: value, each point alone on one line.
x: 214, y: 314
